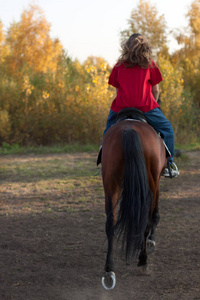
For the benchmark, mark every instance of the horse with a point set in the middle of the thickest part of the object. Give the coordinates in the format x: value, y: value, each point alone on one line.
x: 133, y: 158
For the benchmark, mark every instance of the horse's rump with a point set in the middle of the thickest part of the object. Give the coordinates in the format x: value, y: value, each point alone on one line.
x: 152, y: 145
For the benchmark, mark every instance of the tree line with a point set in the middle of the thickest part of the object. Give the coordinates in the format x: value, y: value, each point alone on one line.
x: 47, y: 98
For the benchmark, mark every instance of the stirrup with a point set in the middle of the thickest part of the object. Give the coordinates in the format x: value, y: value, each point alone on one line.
x: 171, y: 171
x: 174, y: 167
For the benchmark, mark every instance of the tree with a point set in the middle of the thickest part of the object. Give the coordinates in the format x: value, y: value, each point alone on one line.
x: 171, y: 91
x: 2, y: 36
x: 4, y: 50
x: 145, y: 20
x: 194, y: 22
x: 30, y: 44
x: 188, y: 57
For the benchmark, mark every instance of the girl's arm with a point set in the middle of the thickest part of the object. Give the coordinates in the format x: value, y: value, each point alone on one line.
x: 155, y: 91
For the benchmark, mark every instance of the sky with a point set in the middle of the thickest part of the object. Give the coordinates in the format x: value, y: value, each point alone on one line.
x: 92, y: 28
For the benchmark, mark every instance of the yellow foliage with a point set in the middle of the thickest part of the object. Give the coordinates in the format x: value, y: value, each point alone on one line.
x: 171, y: 91
x: 27, y: 87
x: 2, y: 36
x: 30, y: 43
x: 194, y: 18
x: 45, y: 95
x: 4, y: 49
x: 146, y: 20
x: 5, y: 125
x: 98, y: 97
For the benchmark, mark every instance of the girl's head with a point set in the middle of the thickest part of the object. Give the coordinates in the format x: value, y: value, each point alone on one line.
x: 136, y: 51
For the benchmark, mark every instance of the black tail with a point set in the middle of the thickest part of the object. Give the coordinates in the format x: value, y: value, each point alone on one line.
x: 135, y: 200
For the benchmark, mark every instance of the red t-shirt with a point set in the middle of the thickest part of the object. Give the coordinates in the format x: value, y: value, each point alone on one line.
x: 134, y: 87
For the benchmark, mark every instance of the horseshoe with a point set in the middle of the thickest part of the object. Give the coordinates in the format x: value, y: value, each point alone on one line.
x: 112, y: 276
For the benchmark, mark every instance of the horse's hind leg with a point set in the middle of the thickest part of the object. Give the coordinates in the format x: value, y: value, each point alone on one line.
x: 110, y: 207
x: 143, y: 252
x: 110, y: 234
x: 148, y: 246
x: 109, y: 280
x: 155, y: 218
x: 155, y: 221
x: 149, y: 238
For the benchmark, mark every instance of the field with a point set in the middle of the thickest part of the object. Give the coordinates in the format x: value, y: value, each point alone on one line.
x: 52, y: 238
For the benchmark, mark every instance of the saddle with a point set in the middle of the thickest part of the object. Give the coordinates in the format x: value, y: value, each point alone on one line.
x: 132, y: 114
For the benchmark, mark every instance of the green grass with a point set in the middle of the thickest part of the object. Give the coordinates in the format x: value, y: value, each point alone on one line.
x: 6, y: 149
x: 184, y: 158
x: 48, y: 166
x: 16, y: 149
x: 189, y: 147
x: 54, y: 182
x: 49, y: 183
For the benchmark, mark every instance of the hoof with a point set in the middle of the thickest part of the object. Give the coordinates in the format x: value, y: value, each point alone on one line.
x: 143, y: 271
x: 150, y: 246
x: 142, y: 265
x: 109, y: 281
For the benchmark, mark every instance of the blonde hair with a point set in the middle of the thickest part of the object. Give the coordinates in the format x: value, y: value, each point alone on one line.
x: 136, y: 51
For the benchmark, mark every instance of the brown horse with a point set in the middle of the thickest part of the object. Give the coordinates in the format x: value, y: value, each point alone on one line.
x: 133, y: 159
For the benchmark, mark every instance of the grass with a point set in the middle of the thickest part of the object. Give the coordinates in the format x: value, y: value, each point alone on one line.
x: 189, y: 147
x: 6, y: 149
x: 182, y: 160
x: 51, y: 183
x: 31, y: 168
x: 17, y: 149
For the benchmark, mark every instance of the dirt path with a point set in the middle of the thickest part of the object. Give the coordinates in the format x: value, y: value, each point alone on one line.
x: 61, y: 254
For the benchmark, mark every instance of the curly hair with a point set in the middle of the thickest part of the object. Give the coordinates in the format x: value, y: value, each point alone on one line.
x: 136, y: 51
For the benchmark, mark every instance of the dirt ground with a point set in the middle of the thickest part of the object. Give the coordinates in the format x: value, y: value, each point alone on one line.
x: 61, y: 255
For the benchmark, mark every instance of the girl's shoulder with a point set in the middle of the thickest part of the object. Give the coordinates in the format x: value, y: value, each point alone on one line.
x: 153, y: 64
x: 125, y: 65
x: 119, y: 64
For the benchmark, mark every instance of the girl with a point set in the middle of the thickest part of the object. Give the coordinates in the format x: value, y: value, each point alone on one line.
x: 136, y: 78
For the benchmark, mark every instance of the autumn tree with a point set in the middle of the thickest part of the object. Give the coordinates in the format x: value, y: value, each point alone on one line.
x: 171, y: 92
x: 46, y: 97
x: 30, y: 43
x: 145, y: 19
x: 2, y: 37
x: 188, y: 57
x: 4, y: 48
x: 29, y: 62
x: 97, y: 97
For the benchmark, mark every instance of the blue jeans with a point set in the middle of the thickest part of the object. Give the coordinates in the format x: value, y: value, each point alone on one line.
x: 157, y: 120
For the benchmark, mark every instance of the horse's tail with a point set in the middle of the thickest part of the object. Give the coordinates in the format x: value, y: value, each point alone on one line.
x: 136, y: 196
